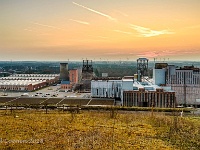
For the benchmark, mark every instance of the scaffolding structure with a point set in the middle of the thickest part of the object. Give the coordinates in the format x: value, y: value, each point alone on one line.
x: 87, y: 75
x: 142, y: 66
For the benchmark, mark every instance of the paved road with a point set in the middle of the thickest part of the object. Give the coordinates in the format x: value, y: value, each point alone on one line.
x: 46, y: 92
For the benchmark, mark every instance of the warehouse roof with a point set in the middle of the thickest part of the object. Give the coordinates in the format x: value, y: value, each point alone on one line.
x: 19, y: 82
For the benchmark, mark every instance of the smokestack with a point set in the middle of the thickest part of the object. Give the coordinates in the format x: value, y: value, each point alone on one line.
x: 64, y: 74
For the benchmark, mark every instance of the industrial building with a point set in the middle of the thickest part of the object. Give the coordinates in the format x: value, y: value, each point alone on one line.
x: 87, y: 70
x: 64, y: 74
x: 147, y: 95
x: 109, y: 87
x: 86, y: 77
x: 64, y: 77
x: 159, y: 73
x: 27, y: 82
x: 65, y: 85
x: 186, y: 83
x: 142, y: 67
x: 137, y: 90
x: 131, y: 92
x: 74, y: 78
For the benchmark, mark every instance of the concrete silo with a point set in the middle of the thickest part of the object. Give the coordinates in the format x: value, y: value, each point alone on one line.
x: 64, y: 74
x: 159, y: 76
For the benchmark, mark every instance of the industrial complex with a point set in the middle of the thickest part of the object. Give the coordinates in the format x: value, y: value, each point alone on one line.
x: 130, y: 92
x: 168, y: 87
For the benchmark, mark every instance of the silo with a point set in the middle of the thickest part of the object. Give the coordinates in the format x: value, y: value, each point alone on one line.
x: 159, y: 76
x: 64, y: 74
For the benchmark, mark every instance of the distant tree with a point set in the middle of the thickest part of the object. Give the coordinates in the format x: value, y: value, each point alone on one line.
x: 96, y: 72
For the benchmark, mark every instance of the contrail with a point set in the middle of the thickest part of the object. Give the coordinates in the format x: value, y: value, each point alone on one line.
x: 28, y: 30
x: 147, y: 32
x: 97, y: 12
x: 122, y: 13
x: 122, y: 32
x: 44, y: 25
x: 81, y: 22
x: 103, y: 37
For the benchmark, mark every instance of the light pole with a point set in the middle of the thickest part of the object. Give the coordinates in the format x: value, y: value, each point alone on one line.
x: 152, y: 105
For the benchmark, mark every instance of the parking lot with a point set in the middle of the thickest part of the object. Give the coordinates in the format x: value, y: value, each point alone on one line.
x: 47, y: 92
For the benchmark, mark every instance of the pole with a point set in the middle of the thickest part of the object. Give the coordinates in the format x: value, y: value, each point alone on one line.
x: 184, y: 89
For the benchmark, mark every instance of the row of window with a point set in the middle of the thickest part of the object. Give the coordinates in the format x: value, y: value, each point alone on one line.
x: 156, y: 99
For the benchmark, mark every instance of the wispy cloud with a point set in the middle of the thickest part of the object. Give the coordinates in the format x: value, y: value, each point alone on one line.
x: 147, y: 32
x: 44, y: 25
x: 122, y: 13
x: 155, y: 54
x: 36, y: 32
x: 28, y: 30
x: 148, y: 54
x: 103, y: 37
x: 95, y: 11
x: 122, y: 32
x: 81, y: 22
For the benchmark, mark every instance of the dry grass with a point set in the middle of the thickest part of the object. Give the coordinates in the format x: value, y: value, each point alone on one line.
x: 33, y: 129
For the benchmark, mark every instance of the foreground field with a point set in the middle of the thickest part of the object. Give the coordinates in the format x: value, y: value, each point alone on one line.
x: 34, y: 129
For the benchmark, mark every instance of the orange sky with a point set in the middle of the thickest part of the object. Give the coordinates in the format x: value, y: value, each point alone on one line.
x: 93, y: 29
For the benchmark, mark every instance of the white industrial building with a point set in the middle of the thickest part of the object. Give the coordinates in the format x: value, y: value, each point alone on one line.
x: 159, y: 76
x: 109, y: 87
x: 27, y: 82
x: 133, y: 93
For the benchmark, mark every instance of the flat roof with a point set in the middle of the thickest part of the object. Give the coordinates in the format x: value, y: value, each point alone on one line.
x: 19, y: 82
x: 107, y: 78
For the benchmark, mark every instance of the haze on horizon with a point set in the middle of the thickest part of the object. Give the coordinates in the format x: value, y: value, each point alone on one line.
x: 52, y: 30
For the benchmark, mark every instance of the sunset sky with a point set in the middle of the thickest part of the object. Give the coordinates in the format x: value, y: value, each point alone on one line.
x: 55, y: 30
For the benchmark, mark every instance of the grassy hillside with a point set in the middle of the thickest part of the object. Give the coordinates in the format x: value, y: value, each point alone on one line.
x: 34, y: 129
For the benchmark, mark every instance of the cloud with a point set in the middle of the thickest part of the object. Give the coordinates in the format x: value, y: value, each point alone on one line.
x: 122, y: 13
x: 44, y: 25
x: 155, y: 54
x: 103, y: 37
x: 148, y: 54
x: 94, y: 11
x: 81, y: 22
x: 147, y: 32
x: 122, y: 32
x: 28, y: 30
